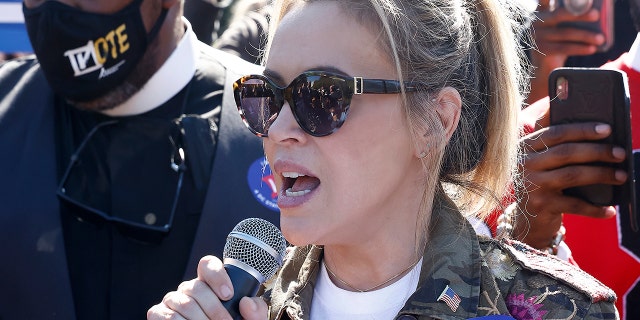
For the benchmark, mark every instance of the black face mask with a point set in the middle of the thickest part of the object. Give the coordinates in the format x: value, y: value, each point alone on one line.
x: 84, y: 55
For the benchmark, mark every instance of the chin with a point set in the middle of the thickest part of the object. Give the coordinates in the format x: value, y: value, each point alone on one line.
x: 108, y: 101
x: 125, y: 90
x: 296, y: 233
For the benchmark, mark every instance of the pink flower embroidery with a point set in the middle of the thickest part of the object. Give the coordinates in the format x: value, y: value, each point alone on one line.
x: 524, y: 309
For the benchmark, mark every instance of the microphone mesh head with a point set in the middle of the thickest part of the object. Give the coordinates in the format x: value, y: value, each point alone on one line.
x: 257, y: 243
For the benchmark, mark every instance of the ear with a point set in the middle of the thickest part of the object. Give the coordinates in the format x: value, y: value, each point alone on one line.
x: 449, y: 106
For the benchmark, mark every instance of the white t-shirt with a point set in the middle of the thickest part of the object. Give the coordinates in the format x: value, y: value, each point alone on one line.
x: 332, y: 302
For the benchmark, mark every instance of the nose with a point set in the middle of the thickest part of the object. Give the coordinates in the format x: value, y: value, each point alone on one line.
x: 285, y: 128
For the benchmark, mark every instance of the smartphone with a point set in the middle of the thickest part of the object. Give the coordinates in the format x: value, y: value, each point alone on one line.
x: 604, y: 25
x: 593, y: 94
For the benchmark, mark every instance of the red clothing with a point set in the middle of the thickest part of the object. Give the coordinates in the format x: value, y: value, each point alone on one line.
x: 607, y: 249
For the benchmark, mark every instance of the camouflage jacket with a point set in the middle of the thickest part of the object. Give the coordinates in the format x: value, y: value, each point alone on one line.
x: 486, y: 277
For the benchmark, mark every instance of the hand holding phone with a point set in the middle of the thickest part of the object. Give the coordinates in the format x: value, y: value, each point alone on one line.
x: 597, y: 95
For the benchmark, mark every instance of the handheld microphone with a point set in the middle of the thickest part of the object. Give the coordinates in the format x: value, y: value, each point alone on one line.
x: 253, y: 253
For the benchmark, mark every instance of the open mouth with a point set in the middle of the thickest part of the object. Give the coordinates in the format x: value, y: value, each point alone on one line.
x: 297, y: 184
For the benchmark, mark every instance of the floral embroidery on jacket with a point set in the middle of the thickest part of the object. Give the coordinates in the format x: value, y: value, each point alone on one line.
x: 501, y: 265
x: 525, y: 309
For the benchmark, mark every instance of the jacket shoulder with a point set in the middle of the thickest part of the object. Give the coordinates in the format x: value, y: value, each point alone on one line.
x: 19, y: 79
x: 228, y: 61
x: 536, y: 261
x: 13, y: 70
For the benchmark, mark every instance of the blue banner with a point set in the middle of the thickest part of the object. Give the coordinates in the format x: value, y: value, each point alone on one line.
x: 13, y: 34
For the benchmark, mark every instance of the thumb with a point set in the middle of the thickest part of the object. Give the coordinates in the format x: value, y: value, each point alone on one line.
x: 254, y: 308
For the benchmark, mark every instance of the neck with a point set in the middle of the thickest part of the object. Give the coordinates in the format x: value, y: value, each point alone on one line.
x: 179, y: 67
x: 633, y: 57
x: 343, y: 284
x: 379, y: 251
x: 370, y: 268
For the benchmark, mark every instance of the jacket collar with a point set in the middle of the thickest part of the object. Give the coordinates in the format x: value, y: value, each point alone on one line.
x: 451, y: 258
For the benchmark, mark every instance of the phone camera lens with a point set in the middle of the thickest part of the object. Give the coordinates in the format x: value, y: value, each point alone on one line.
x: 578, y: 7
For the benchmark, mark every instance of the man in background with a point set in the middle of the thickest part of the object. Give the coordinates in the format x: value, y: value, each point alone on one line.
x: 121, y: 145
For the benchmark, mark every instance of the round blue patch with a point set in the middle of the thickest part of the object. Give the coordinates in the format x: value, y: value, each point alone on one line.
x: 262, y: 184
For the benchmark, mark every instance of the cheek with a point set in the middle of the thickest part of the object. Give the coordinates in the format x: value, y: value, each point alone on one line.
x: 150, y: 12
x: 378, y: 122
x: 372, y: 144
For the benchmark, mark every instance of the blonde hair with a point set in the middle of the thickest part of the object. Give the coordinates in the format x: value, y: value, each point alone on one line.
x: 470, y: 45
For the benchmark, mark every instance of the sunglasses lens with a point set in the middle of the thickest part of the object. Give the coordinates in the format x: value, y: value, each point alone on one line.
x: 256, y: 101
x: 320, y: 104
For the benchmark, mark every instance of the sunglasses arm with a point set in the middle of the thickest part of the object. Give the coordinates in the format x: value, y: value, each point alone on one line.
x: 379, y: 86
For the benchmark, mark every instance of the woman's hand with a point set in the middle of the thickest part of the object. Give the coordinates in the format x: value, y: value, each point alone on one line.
x: 201, y: 298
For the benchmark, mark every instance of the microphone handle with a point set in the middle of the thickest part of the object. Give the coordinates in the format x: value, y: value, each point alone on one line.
x: 244, y: 285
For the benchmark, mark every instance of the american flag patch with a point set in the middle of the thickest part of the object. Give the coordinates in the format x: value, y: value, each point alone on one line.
x: 451, y: 298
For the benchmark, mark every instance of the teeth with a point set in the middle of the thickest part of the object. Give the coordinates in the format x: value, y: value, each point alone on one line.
x: 290, y: 193
x: 292, y: 175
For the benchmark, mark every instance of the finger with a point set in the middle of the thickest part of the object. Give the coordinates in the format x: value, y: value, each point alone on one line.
x: 184, y: 305
x: 560, y: 15
x: 542, y: 207
x: 211, y: 270
x: 569, y: 48
x: 593, y: 211
x: 575, y: 176
x: 204, y: 296
x: 541, y: 216
x: 545, y: 138
x: 161, y: 312
x: 566, y: 34
x: 572, y: 153
x: 254, y: 308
